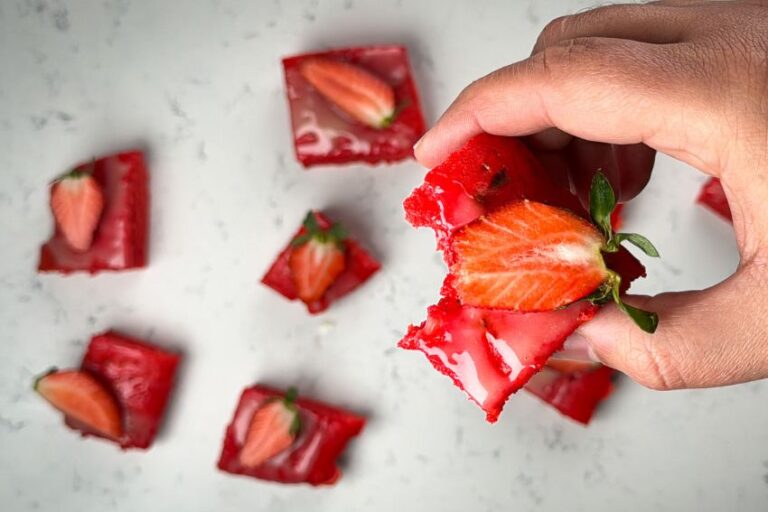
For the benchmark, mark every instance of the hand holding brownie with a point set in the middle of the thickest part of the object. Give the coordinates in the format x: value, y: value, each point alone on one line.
x: 685, y: 78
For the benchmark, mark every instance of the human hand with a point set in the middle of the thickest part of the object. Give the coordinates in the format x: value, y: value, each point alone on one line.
x: 689, y: 79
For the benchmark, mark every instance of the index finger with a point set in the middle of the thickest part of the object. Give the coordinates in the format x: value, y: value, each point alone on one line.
x: 605, y: 90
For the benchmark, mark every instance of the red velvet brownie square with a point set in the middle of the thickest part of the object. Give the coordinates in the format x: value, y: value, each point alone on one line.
x: 331, y: 101
x: 120, y: 236
x: 357, y: 267
x: 141, y: 377
x: 119, y: 393
x: 321, y: 435
x: 575, y: 395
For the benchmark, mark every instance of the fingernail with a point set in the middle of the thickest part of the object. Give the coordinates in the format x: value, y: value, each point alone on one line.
x: 418, y: 142
x: 577, y: 347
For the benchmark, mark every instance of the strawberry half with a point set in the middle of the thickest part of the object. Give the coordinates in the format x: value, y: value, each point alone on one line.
x: 317, y: 258
x: 272, y: 430
x: 357, y: 92
x: 77, y: 202
x: 82, y: 398
x: 529, y: 256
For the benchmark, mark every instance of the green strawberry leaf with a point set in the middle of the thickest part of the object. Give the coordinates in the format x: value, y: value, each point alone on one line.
x: 337, y: 232
x: 290, y: 402
x: 602, y: 201
x: 301, y: 239
x: 310, y: 223
x: 646, y: 320
x: 291, y: 395
x: 639, y: 241
x: 334, y: 234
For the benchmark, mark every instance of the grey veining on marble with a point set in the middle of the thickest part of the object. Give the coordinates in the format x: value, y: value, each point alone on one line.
x: 198, y: 85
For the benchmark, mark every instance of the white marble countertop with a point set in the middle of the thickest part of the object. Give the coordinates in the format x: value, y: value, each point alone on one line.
x: 199, y: 85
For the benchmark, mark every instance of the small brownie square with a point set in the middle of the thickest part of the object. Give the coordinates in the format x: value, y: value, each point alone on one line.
x: 354, y: 266
x: 141, y: 378
x: 353, y: 105
x: 322, y: 435
x: 120, y: 237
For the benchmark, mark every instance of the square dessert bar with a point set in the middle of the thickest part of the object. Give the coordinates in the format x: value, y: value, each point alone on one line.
x: 575, y: 395
x: 140, y: 377
x: 322, y: 435
x: 324, y: 133
x: 358, y: 267
x: 120, y: 237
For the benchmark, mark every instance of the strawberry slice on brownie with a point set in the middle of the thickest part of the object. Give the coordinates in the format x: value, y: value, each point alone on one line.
x: 353, y: 105
x: 496, y: 326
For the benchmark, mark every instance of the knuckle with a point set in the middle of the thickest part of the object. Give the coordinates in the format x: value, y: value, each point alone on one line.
x: 600, y: 15
x: 469, y: 92
x: 562, y: 57
x: 552, y: 32
x: 590, y: 21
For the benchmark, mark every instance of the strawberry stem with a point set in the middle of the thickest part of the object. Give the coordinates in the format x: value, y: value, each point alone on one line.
x: 289, y: 400
x: 291, y: 395
x: 387, y: 121
x: 40, y: 377
x: 602, y: 202
x: 334, y: 234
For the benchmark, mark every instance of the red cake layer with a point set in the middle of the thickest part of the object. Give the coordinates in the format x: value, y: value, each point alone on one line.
x: 489, y: 353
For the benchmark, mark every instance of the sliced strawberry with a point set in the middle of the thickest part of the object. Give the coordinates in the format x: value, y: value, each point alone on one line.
x: 357, y: 92
x: 82, y: 398
x: 528, y: 257
x: 317, y: 259
x: 77, y: 202
x: 272, y: 430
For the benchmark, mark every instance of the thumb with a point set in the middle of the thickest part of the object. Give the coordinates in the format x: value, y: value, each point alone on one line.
x: 707, y: 338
